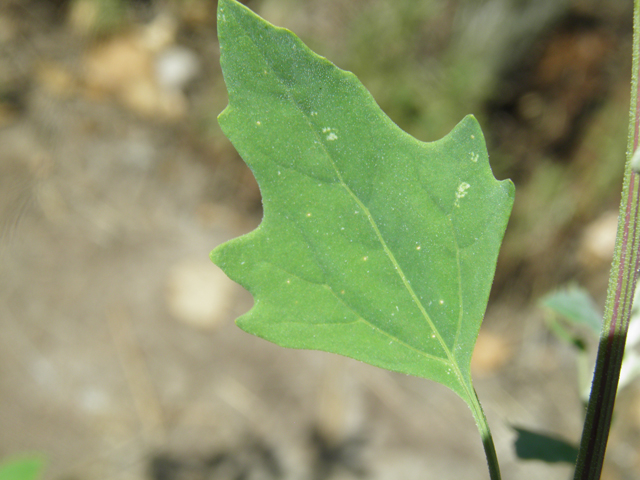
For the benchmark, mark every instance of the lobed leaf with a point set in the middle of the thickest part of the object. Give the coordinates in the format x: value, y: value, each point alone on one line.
x: 373, y: 245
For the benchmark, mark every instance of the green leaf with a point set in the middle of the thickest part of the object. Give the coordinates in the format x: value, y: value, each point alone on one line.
x: 532, y: 445
x: 373, y: 245
x: 27, y: 468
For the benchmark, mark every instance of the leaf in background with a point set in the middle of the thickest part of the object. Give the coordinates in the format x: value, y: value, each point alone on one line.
x: 373, y: 245
x: 28, y: 468
x: 575, y: 304
x: 570, y: 306
x: 540, y: 446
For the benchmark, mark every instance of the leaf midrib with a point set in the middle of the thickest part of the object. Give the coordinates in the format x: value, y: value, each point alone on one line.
x: 360, y: 318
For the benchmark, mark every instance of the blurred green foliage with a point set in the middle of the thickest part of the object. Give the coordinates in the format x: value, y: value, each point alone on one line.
x: 530, y: 445
x: 26, y: 468
x: 99, y: 17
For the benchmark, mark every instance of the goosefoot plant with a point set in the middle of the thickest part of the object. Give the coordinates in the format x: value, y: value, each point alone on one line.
x: 375, y: 245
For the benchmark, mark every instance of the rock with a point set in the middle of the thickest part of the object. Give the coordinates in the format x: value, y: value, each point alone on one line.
x: 175, y: 67
x: 598, y: 240
x: 144, y: 70
x: 199, y: 294
x: 111, y: 67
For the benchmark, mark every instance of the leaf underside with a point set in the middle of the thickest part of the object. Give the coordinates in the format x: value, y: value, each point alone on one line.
x: 373, y: 245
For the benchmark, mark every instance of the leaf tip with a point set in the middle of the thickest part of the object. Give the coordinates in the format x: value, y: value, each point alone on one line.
x: 215, y: 256
x: 510, y: 187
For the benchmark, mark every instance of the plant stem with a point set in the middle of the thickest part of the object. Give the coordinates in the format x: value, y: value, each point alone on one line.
x: 622, y: 284
x: 487, y: 439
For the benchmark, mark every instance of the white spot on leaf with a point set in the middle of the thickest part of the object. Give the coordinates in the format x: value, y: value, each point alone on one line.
x: 461, y: 192
x: 331, y: 136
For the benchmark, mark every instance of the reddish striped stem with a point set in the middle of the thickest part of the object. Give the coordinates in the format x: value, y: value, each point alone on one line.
x: 622, y: 284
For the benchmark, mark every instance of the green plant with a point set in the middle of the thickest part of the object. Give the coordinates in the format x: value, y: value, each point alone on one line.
x: 374, y: 245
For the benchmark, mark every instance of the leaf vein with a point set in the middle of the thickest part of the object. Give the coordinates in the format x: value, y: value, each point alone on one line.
x: 450, y: 357
x: 359, y: 317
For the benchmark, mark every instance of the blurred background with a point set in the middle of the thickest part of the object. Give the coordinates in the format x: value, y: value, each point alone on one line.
x: 119, y: 358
